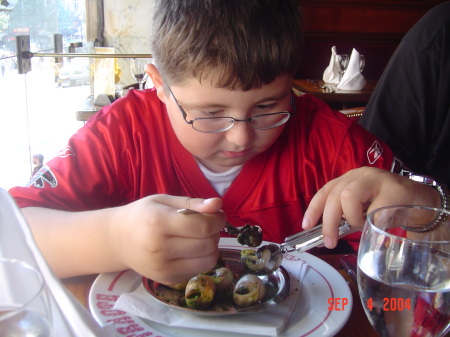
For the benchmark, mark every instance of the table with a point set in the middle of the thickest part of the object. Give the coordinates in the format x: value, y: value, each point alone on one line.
x: 357, y: 326
x: 344, y: 98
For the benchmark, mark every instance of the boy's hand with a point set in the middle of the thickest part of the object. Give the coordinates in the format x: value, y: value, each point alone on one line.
x: 150, y: 237
x: 357, y: 193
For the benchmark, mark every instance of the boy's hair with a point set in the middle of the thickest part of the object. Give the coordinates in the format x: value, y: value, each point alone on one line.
x: 247, y: 43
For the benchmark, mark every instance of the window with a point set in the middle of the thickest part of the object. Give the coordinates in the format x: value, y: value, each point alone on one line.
x: 37, y: 109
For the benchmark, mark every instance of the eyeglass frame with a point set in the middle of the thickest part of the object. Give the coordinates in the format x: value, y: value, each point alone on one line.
x: 250, y: 119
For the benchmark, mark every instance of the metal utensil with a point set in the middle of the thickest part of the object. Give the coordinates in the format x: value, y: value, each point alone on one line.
x: 248, y: 235
x: 268, y: 258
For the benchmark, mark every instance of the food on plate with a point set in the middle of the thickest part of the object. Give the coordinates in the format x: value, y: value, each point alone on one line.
x: 254, y: 262
x: 223, y: 278
x: 243, y: 291
x: 178, y: 286
x: 214, y: 291
x: 200, y: 291
x: 264, y: 259
x: 248, y: 291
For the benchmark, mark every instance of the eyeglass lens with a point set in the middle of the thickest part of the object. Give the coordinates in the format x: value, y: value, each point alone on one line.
x: 218, y: 124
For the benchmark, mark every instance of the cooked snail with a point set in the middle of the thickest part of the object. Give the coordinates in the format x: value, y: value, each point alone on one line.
x: 223, y: 278
x: 249, y: 290
x: 250, y: 236
x: 200, y: 292
x: 250, y: 259
x: 178, y: 286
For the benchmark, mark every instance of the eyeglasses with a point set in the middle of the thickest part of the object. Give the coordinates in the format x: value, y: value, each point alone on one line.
x: 221, y: 124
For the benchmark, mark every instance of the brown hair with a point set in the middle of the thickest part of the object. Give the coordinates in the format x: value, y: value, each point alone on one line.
x: 247, y: 42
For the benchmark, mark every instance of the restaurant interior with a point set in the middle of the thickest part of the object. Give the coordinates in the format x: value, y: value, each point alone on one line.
x: 39, y: 111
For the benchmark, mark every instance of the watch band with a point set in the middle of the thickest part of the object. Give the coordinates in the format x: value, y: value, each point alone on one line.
x: 439, y: 220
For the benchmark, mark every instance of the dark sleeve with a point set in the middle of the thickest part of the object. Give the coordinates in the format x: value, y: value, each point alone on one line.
x: 410, y: 106
x: 396, y: 108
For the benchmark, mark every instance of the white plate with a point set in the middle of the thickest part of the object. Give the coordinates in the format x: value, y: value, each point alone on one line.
x: 312, y: 317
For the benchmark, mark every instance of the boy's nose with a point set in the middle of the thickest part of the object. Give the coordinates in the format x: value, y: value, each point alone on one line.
x: 241, y: 134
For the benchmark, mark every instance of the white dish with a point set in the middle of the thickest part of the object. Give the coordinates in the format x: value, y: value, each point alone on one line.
x: 312, y: 317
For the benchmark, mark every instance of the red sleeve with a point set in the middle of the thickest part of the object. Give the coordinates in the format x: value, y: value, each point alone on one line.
x: 73, y: 179
x: 114, y: 159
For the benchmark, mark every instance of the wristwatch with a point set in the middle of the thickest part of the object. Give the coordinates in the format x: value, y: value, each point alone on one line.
x: 439, y: 220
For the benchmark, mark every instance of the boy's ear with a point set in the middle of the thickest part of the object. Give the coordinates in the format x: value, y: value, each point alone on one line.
x: 157, y: 80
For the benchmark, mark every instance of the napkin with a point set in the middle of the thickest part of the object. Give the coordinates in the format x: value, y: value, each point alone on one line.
x: 70, y: 318
x: 331, y: 73
x: 352, y: 79
x: 267, y: 323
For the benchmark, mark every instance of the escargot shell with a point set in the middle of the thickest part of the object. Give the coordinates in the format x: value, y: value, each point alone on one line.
x: 223, y: 277
x: 178, y: 286
x: 200, y: 292
x: 249, y: 290
x: 251, y: 260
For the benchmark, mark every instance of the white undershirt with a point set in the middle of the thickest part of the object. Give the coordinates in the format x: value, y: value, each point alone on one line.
x: 221, y: 181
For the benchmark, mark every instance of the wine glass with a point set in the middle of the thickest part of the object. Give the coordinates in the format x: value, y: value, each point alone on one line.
x: 24, y: 302
x: 138, y: 70
x: 404, y: 277
x: 362, y: 62
x: 342, y: 62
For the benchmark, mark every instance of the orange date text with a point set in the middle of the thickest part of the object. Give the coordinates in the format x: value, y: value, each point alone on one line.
x: 391, y: 304
x: 337, y: 303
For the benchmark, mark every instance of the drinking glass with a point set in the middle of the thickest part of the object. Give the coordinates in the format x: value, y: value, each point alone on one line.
x: 342, y: 62
x: 138, y: 70
x: 362, y: 62
x: 24, y: 302
x: 404, y: 277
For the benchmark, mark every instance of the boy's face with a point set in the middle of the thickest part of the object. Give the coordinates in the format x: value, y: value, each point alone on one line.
x: 221, y: 151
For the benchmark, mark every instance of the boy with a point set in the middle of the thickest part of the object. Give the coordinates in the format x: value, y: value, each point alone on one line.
x: 221, y: 133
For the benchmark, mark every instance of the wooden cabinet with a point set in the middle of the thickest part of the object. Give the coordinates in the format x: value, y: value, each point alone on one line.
x: 373, y: 27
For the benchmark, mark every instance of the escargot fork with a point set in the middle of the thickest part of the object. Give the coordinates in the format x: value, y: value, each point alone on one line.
x: 310, y: 238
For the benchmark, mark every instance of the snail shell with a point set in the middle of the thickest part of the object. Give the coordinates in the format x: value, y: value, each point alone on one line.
x: 200, y: 292
x: 251, y: 260
x: 178, y: 286
x: 223, y: 277
x: 249, y: 290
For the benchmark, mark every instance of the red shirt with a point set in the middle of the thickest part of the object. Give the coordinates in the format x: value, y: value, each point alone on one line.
x: 128, y: 151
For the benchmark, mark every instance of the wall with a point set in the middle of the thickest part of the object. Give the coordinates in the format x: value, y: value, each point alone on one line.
x: 373, y: 27
x: 127, y: 29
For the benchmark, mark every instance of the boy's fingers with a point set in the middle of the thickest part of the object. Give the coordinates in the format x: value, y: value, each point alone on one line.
x: 211, y: 205
x: 316, y: 207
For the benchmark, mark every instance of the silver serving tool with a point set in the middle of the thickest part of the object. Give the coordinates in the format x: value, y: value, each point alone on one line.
x: 268, y: 258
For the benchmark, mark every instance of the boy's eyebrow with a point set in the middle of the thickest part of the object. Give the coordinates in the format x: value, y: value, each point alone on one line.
x: 204, y: 105
x: 215, y: 105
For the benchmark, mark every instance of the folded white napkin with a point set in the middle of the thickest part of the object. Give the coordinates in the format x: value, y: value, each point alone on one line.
x: 352, y: 79
x: 331, y: 73
x: 70, y: 318
x: 268, y: 323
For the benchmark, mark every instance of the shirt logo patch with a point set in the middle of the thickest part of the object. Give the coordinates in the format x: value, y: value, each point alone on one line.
x: 67, y: 151
x: 44, y: 175
x: 374, y: 152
